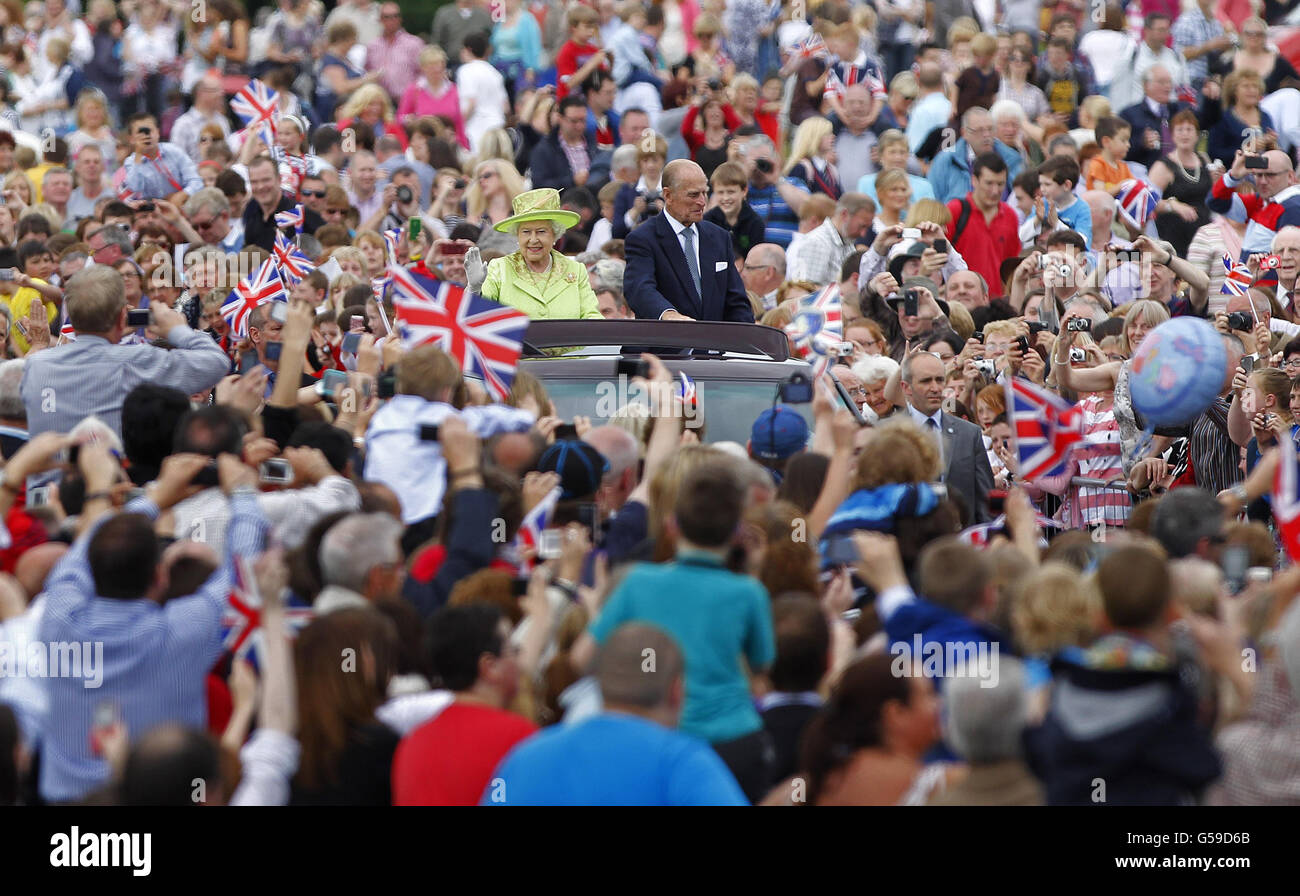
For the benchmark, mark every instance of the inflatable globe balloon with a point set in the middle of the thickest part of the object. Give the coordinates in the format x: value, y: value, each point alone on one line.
x: 1178, y: 371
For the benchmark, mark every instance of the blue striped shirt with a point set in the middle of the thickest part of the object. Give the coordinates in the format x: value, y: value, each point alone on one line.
x: 155, y: 658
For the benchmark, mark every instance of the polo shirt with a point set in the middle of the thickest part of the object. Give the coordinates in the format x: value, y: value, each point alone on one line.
x: 613, y: 759
x: 984, y: 245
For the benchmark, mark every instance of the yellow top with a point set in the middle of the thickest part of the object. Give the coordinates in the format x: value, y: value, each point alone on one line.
x: 20, y: 307
x: 562, y: 293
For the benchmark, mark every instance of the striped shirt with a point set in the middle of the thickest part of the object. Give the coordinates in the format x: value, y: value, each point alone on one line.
x: 152, y: 660
x: 1215, y: 458
x: 61, y: 386
x: 1098, y: 457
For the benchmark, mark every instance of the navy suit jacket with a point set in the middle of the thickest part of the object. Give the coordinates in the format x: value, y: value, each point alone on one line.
x: 1140, y: 117
x: 656, y: 278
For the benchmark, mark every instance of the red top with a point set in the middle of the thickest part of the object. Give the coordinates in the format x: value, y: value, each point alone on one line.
x: 984, y: 245
x: 449, y: 761
x: 572, y: 56
x: 695, y: 138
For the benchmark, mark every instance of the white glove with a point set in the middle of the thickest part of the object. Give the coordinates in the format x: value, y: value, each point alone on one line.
x: 475, y: 270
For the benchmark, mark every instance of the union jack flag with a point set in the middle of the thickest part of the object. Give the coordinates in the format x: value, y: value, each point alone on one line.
x: 291, y: 261
x: 811, y: 47
x: 530, y: 530
x: 486, y: 338
x: 980, y: 535
x: 262, y: 287
x: 66, y: 332
x: 1286, y: 499
x: 875, y: 83
x: 292, y: 218
x: 818, y: 327
x: 390, y: 241
x: 1136, y: 202
x: 379, y: 285
x: 1043, y: 427
x: 685, y: 389
x: 258, y: 108
x: 241, y: 622
x: 1238, y: 278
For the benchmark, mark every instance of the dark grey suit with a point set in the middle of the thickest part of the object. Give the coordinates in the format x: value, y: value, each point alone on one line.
x: 967, y: 465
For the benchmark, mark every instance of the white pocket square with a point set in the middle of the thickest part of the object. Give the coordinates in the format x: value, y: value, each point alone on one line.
x: 719, y: 266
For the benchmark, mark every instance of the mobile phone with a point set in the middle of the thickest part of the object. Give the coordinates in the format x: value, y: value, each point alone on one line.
x: 1256, y: 163
x: 978, y: 336
x: 8, y: 273
x: 841, y: 551
x: 106, y: 716
x: 452, y: 249
x: 941, y: 246
x: 631, y: 367
x: 1023, y: 342
x: 351, y: 342
x: 911, y: 303
x: 279, y: 311
x: 1248, y: 364
x: 247, y: 362
x: 550, y: 544
x: 39, y: 496
x: 797, y: 390
x: 413, y: 250
x: 386, y: 386
x: 207, y: 476
x: 911, y: 233
x: 429, y: 432
x: 137, y: 317
x: 330, y: 382
x: 275, y: 471
x: 519, y: 587
x: 358, y: 324
x: 1236, y: 560
x: 272, y: 351
x: 566, y: 432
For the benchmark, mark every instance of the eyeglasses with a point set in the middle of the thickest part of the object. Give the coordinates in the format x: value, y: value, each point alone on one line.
x: 1291, y: 362
x: 313, y: 194
x: 203, y: 225
x: 859, y: 391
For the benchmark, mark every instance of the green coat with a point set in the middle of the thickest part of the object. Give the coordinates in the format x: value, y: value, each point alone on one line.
x: 566, y: 295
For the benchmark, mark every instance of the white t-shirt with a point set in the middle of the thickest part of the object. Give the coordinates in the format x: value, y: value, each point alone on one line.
x: 478, y: 82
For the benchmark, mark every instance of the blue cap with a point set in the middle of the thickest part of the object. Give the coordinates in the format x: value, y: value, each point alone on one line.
x: 581, y: 467
x: 778, y: 433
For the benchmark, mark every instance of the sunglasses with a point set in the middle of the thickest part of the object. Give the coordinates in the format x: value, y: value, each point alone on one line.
x: 144, y: 132
x: 314, y: 194
x: 336, y: 211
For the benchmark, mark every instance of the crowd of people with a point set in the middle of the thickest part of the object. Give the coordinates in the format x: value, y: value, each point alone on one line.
x: 258, y: 535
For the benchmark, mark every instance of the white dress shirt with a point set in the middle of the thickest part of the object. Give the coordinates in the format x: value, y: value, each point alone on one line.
x: 920, y: 420
x: 679, y: 228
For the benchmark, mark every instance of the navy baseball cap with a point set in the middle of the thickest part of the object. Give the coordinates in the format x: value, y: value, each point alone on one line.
x: 778, y: 433
x: 581, y: 467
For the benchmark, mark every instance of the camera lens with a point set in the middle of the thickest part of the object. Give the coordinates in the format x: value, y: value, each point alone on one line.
x: 404, y: 194
x: 461, y: 183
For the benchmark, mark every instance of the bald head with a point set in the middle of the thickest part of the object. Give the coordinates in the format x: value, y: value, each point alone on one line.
x: 686, y: 191
x: 1102, y: 206
x: 35, y: 564
x: 764, y: 268
x: 640, y: 670
x: 930, y: 77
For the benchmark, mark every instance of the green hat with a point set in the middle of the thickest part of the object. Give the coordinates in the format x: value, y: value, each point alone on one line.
x: 538, y: 205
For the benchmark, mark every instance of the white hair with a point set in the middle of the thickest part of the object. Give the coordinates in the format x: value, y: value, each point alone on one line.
x: 357, y: 544
x: 875, y: 368
x: 1008, y: 109
x: 11, y: 401
x: 1288, y: 230
x: 986, y: 717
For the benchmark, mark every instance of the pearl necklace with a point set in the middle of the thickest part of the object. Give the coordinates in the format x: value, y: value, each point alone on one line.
x: 1173, y: 157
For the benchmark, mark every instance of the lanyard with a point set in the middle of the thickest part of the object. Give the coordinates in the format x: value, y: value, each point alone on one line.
x: 163, y: 170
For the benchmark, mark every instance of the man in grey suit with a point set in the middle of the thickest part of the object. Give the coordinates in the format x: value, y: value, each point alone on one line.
x: 962, y: 457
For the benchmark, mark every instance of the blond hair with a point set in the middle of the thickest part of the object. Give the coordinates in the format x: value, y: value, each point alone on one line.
x: 806, y: 140
x: 899, y: 453
x: 1054, y: 608
x: 363, y: 96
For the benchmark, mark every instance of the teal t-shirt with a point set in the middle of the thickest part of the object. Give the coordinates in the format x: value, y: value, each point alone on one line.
x: 717, y: 618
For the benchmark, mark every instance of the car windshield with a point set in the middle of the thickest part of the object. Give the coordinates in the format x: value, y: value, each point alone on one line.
x: 730, y: 406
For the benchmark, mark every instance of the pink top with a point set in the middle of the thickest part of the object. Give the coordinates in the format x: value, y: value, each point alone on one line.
x: 419, y: 101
